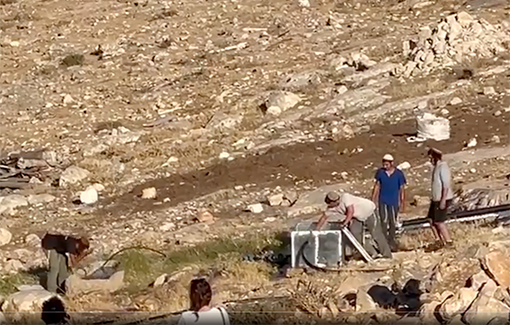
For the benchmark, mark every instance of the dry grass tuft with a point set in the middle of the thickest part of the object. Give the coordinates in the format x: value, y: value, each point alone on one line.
x: 9, y: 283
x: 463, y: 235
x: 313, y: 297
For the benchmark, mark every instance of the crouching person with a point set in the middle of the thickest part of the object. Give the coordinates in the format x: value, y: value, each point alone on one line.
x: 354, y: 212
x: 64, y: 253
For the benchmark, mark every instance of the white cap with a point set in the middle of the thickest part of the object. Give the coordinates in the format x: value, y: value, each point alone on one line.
x: 388, y: 157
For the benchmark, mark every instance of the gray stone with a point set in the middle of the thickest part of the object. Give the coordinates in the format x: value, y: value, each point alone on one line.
x: 313, y: 202
x: 11, y: 202
x: 457, y: 304
x: 478, y: 280
x: 455, y: 101
x: 13, y: 266
x: 73, y: 175
x: 427, y: 313
x: 464, y: 19
x: 489, y: 91
x: 484, y: 308
x: 33, y: 240
x: 284, y: 100
x: 40, y: 199
x: 223, y: 121
x: 275, y: 200
x: 26, y: 305
x: 364, y: 302
x: 301, y: 80
x: 76, y: 285
x: 498, y: 263
x: 89, y: 196
x: 5, y: 237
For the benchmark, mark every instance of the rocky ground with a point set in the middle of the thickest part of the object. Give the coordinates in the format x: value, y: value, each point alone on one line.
x: 202, y: 130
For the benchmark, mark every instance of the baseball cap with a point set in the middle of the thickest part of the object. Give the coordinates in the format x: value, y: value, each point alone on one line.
x: 388, y: 157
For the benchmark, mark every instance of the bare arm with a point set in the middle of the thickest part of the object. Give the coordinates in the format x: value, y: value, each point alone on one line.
x: 349, y: 214
x: 76, y: 259
x: 444, y: 175
x: 402, y: 198
x: 375, y: 192
x: 322, y: 221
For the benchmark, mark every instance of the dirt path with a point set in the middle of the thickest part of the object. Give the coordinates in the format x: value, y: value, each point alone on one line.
x: 313, y: 162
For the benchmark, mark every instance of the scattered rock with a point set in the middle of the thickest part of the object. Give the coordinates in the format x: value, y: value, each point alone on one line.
x: 427, y: 313
x: 290, y: 197
x: 255, y: 208
x: 477, y: 280
x: 497, y: 264
x: 205, y: 216
x: 488, y: 91
x: 455, y: 101
x: 98, y: 187
x: 420, y: 201
x: 471, y: 143
x: 89, y: 196
x: 304, y: 3
x: 5, y: 236
x: 403, y: 166
x: 149, y: 193
x: 11, y: 202
x: 484, y: 308
x: 40, y: 199
x: 281, y: 101
x: 13, y: 266
x: 33, y: 240
x: 73, y: 175
x: 275, y: 200
x: 224, y: 155
x: 76, y: 285
x: 160, y: 280
x: 364, y: 303
x: 495, y: 139
x: 26, y: 305
x: 167, y: 226
x: 457, y: 304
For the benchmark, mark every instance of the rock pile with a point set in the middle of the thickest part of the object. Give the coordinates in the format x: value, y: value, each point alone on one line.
x: 454, y: 39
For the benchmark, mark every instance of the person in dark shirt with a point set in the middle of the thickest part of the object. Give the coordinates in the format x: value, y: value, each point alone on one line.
x: 389, y: 195
x: 64, y: 252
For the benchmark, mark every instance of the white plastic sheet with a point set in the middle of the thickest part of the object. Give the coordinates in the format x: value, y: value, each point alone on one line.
x: 432, y: 127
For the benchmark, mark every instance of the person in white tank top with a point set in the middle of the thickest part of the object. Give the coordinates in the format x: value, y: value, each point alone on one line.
x: 200, y: 312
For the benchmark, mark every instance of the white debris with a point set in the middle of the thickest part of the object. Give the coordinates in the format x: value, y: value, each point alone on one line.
x: 89, y: 196
x: 224, y: 155
x: 472, y: 143
x: 404, y: 165
x: 255, y: 208
x: 455, y: 101
x: 149, y: 193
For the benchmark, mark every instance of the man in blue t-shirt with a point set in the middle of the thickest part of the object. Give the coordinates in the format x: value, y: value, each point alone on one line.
x: 389, y: 195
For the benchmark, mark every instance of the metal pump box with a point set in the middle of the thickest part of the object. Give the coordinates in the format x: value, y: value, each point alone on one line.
x: 324, y: 249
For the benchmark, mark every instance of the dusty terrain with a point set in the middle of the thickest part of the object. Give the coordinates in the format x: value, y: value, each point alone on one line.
x: 176, y: 96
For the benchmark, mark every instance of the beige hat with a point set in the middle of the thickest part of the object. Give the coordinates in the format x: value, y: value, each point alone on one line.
x: 332, y: 196
x: 435, y: 150
x: 388, y: 157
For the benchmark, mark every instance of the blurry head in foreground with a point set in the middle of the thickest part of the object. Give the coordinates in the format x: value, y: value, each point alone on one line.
x: 200, y: 294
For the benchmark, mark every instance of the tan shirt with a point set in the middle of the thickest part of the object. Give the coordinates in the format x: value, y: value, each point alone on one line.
x: 363, y: 208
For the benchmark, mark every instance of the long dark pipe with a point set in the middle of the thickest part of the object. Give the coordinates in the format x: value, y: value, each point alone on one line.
x: 459, y: 215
